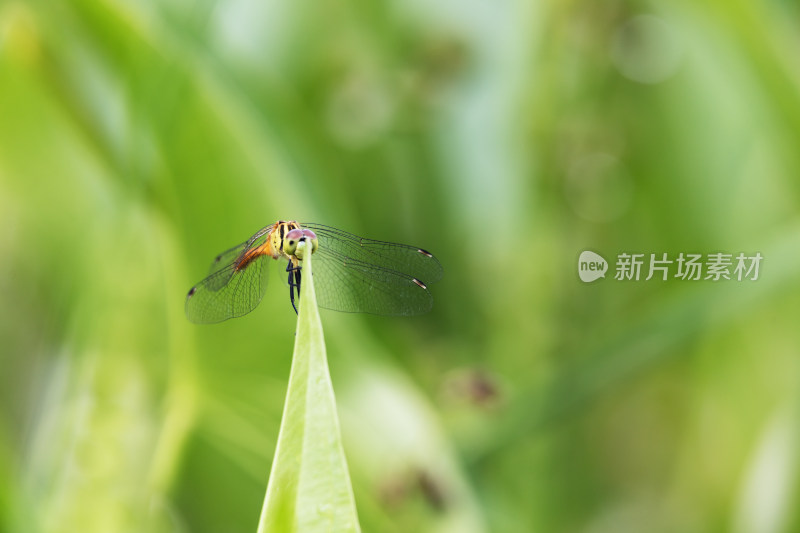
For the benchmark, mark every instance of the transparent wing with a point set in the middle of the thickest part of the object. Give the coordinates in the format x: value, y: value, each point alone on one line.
x: 229, y: 291
x: 224, y: 263
x: 402, y: 258
x: 227, y: 257
x: 346, y: 284
x: 232, y: 255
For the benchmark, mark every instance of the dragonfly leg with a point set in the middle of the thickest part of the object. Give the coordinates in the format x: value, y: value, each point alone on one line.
x: 297, y: 272
x: 294, y: 283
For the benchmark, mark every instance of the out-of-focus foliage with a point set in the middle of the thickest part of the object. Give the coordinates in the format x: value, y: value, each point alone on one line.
x: 140, y: 139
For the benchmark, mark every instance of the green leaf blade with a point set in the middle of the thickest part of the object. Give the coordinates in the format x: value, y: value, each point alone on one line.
x: 309, y: 487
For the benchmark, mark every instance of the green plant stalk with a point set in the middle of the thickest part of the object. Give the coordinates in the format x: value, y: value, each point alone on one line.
x: 309, y: 488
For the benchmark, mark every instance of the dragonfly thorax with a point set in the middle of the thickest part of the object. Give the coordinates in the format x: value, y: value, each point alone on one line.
x: 277, y: 238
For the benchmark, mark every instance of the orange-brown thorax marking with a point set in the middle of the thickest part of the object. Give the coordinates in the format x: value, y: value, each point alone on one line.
x: 272, y: 246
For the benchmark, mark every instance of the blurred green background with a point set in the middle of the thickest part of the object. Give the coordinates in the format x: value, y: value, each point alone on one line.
x: 140, y: 139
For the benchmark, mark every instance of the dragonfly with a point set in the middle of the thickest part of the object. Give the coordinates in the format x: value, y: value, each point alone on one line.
x: 351, y: 274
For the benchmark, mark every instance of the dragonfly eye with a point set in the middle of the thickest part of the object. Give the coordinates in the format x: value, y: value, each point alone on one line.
x: 291, y: 240
x: 296, y: 236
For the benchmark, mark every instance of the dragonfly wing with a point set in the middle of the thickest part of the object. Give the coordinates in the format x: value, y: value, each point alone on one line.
x: 234, y: 285
x: 353, y: 286
x: 223, y: 267
x: 415, y: 262
x: 228, y: 293
x: 227, y: 258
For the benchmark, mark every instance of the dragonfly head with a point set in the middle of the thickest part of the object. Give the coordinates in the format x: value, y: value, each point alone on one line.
x: 298, y: 235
